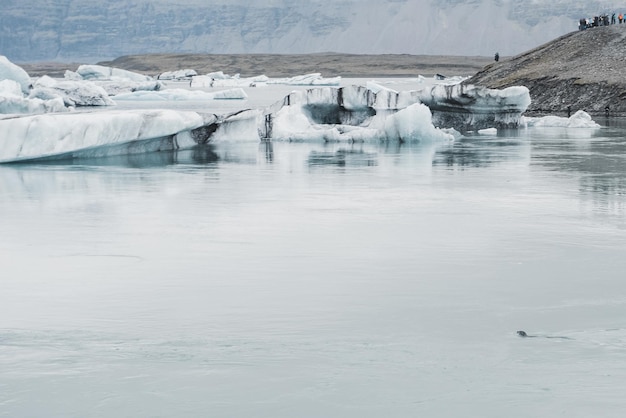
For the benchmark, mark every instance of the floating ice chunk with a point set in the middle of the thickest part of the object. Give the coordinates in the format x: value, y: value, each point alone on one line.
x: 459, y: 107
x: 580, y: 119
x: 186, y: 74
x: 22, y: 105
x: 12, y: 101
x: 488, y: 132
x: 10, y: 88
x: 313, y: 79
x: 239, y: 126
x: 219, y: 79
x: 414, y: 123
x: 377, y: 88
x: 74, y: 93
x: 469, y: 107
x: 75, y: 134
x: 230, y: 94
x: 114, y: 81
x: 10, y: 71
x: 72, y: 75
x: 317, y: 115
x: 181, y: 94
x: 218, y: 75
x: 99, y: 72
x: 115, y: 87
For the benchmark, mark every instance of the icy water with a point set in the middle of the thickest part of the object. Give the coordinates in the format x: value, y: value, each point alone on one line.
x: 312, y: 280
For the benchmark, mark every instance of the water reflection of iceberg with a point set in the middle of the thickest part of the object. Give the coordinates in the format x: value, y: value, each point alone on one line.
x: 342, y: 158
x: 199, y: 154
x: 482, y: 153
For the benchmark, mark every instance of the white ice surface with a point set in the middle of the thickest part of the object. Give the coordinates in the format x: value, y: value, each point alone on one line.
x: 73, y: 92
x: 219, y: 79
x: 12, y: 101
x: 182, y: 95
x: 185, y: 74
x: 99, y: 72
x: 580, y: 119
x: 10, y: 71
x: 313, y: 79
x: 57, y: 134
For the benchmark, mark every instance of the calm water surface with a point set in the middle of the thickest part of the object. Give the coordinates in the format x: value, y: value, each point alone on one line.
x: 312, y: 280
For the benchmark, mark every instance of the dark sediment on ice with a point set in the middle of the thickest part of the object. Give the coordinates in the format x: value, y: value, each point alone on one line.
x: 581, y: 70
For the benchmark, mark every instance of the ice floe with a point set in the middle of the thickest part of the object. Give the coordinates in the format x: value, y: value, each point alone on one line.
x: 10, y: 71
x: 71, y: 135
x: 186, y: 74
x: 182, y: 94
x: 73, y: 93
x: 580, y: 119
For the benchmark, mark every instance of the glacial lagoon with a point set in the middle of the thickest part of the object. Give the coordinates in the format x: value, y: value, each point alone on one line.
x: 311, y: 279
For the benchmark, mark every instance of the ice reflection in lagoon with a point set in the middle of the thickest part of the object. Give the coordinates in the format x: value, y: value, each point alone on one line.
x: 307, y: 279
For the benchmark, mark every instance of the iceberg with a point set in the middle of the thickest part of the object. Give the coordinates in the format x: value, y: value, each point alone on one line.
x: 113, y: 81
x: 580, y: 119
x: 357, y: 113
x: 181, y: 94
x: 73, y: 93
x: 10, y: 71
x: 219, y: 79
x: 313, y: 79
x: 348, y: 114
x: 14, y: 85
x: 22, y: 105
x: 100, y: 72
x: 186, y: 74
x: 84, y: 135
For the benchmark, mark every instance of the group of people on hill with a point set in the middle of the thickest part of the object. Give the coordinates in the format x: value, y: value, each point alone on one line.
x: 602, y: 20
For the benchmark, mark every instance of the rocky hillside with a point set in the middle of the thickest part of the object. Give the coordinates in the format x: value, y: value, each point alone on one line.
x: 581, y: 70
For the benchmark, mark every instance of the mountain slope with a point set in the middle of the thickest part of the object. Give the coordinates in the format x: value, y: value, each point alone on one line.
x: 89, y: 30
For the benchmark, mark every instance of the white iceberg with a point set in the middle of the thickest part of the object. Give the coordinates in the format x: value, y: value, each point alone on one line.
x: 185, y: 74
x: 10, y: 71
x: 10, y: 88
x: 22, y: 105
x: 115, y: 87
x: 360, y: 113
x: 73, y: 93
x: 99, y: 72
x: 114, y: 81
x: 580, y: 119
x: 320, y: 114
x: 12, y: 101
x: 219, y: 79
x: 181, y: 95
x: 100, y: 134
x: 313, y: 79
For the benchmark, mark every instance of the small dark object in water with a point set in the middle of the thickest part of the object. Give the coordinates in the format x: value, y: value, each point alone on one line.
x: 522, y: 333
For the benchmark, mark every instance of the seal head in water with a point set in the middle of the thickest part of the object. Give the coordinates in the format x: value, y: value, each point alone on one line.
x: 522, y: 333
